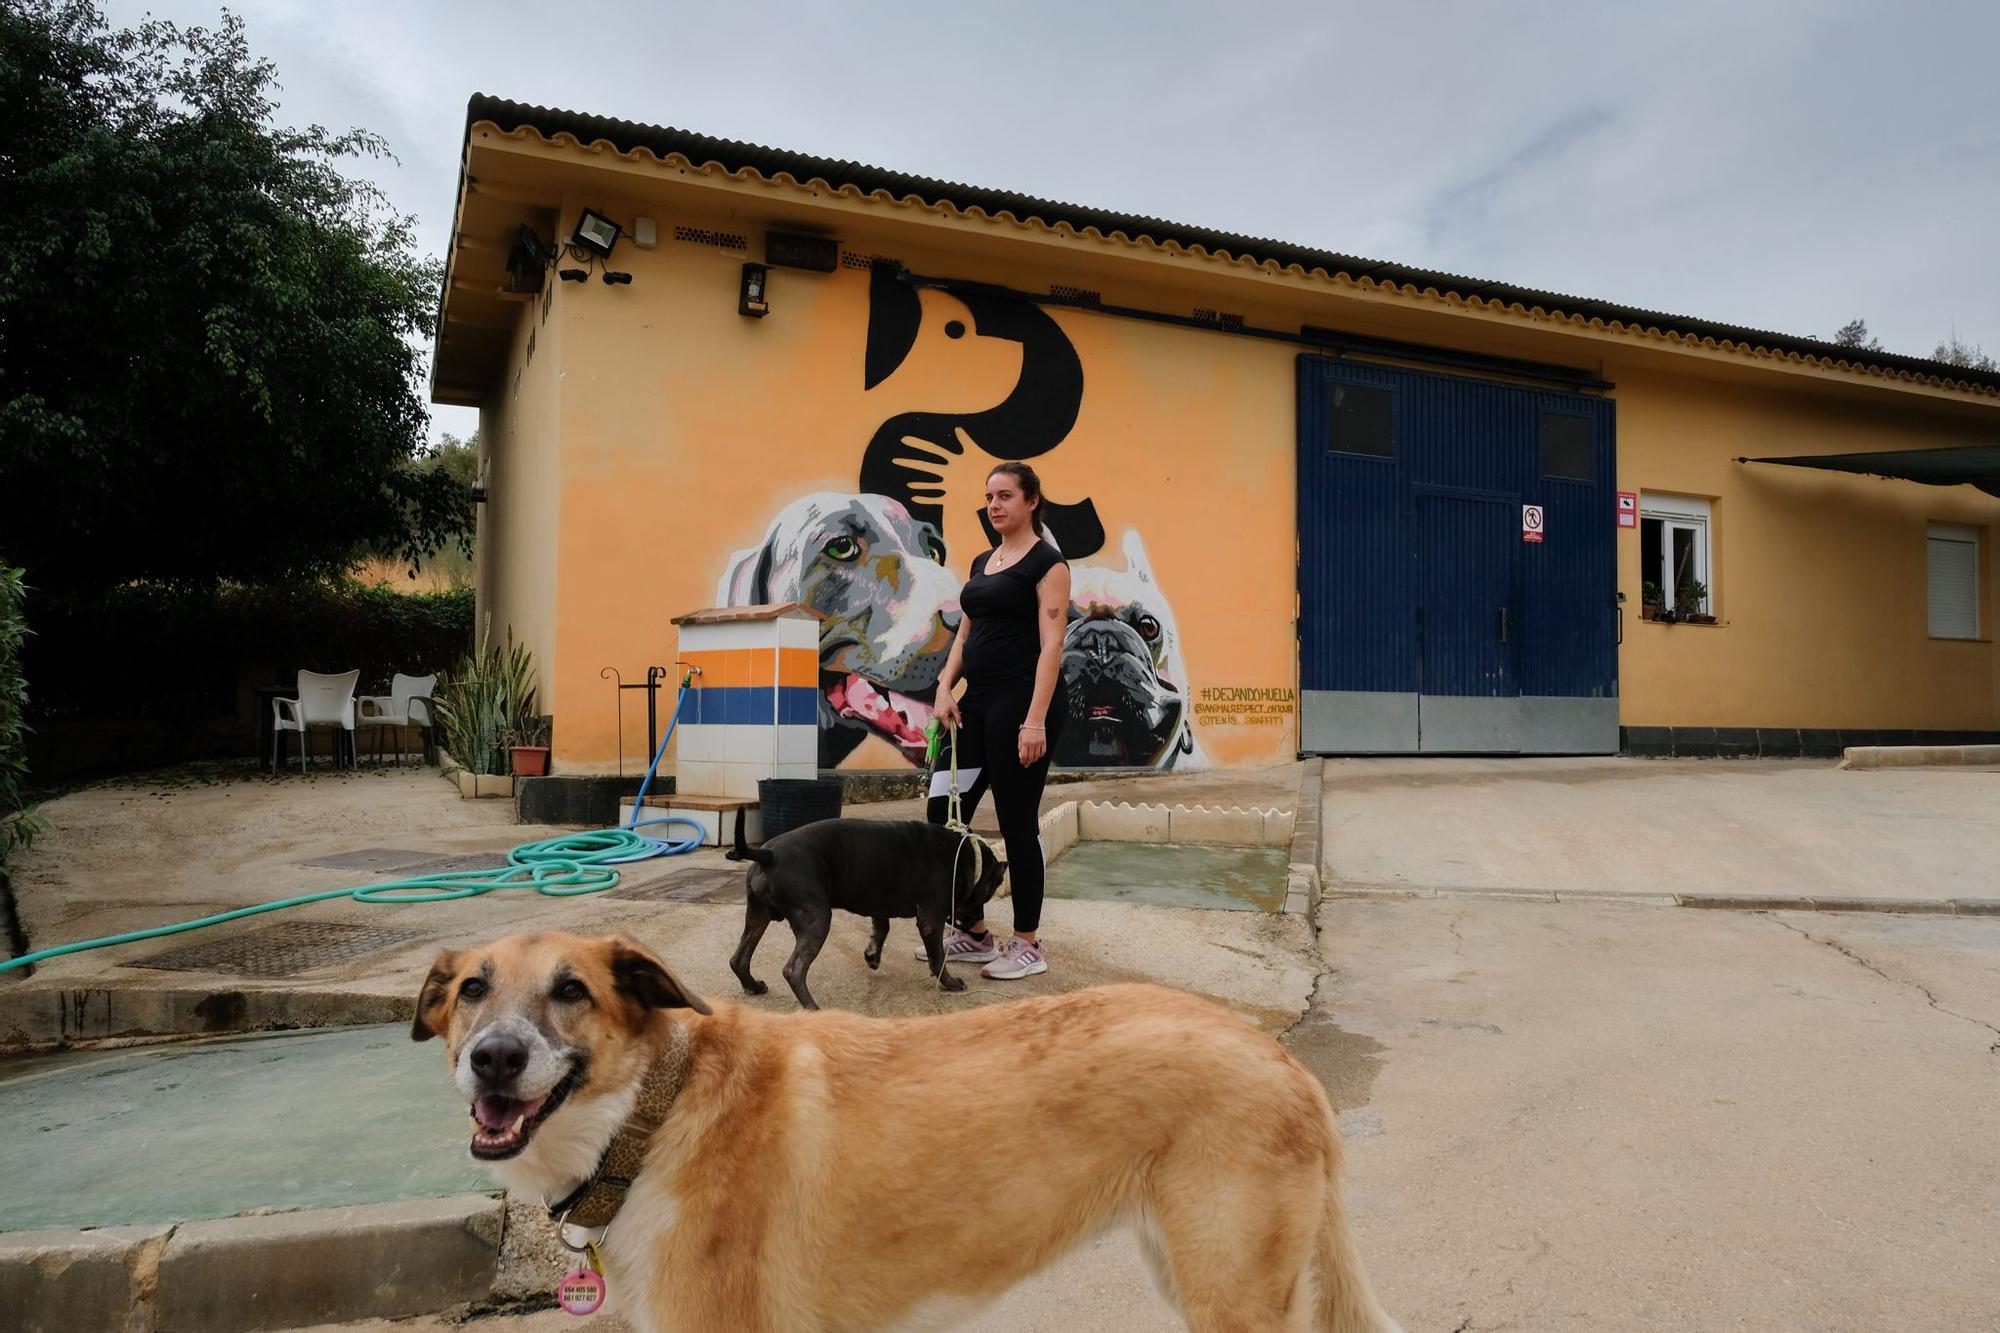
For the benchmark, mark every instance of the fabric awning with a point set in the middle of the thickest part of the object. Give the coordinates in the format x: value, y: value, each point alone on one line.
x: 1964, y: 465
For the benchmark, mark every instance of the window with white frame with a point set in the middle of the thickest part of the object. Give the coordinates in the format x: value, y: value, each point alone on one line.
x: 1954, y: 581
x: 1673, y: 560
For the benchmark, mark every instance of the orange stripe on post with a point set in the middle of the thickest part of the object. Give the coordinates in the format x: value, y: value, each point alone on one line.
x: 798, y: 667
x: 709, y: 664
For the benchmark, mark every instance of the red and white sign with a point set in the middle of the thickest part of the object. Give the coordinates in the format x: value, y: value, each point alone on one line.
x: 1628, y: 509
x: 1531, y: 523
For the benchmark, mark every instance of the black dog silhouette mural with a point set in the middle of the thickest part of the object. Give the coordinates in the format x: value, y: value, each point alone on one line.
x: 906, y: 457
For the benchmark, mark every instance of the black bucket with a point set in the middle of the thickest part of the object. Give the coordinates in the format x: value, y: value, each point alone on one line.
x: 789, y: 803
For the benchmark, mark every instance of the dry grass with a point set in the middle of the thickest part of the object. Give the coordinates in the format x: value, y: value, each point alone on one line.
x: 440, y: 573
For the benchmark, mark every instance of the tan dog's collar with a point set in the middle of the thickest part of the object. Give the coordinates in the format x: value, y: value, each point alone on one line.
x: 597, y: 1200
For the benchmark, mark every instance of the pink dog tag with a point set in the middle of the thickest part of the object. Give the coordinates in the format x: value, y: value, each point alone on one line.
x: 581, y: 1292
x: 582, y: 1289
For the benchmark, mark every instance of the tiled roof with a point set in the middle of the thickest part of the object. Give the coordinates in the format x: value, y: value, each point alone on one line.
x: 860, y: 178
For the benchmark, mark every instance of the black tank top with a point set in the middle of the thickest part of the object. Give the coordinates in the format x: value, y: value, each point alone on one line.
x: 1005, y: 642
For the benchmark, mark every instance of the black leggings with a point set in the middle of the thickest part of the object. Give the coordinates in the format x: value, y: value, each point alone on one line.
x: 989, y: 756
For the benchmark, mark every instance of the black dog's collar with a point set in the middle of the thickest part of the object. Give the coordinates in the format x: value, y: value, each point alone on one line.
x: 597, y: 1200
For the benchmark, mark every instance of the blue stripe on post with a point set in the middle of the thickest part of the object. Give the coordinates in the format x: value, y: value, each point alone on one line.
x: 753, y: 706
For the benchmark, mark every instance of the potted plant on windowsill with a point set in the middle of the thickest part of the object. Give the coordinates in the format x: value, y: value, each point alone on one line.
x: 529, y: 744
x: 1652, y: 602
x: 1691, y: 603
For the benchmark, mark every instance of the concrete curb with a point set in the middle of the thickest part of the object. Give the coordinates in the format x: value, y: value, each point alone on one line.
x: 1409, y: 892
x: 1302, y: 884
x: 38, y: 1015
x: 259, y: 1271
x: 1727, y: 902
x: 1917, y: 756
x: 1733, y: 902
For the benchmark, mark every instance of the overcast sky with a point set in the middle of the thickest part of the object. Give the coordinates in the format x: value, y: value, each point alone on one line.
x: 1787, y: 166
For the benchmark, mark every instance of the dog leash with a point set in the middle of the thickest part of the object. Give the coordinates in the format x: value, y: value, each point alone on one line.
x: 954, y: 819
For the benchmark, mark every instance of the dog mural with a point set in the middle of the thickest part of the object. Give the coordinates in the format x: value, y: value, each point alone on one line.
x: 872, y: 563
x: 889, y: 609
x: 1128, y: 695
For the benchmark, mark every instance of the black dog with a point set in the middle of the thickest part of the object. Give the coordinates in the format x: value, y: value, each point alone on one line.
x: 871, y: 867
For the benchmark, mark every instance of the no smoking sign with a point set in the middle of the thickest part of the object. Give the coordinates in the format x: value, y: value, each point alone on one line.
x: 1531, y: 523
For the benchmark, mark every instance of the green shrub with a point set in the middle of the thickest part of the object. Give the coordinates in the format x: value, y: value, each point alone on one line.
x: 145, y: 651
x: 18, y: 821
x: 145, y: 675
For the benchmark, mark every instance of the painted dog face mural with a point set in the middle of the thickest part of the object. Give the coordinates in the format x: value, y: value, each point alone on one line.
x: 877, y: 575
x: 873, y: 563
x: 1122, y: 664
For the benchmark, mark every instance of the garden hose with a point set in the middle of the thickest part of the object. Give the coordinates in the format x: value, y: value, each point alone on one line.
x: 564, y: 867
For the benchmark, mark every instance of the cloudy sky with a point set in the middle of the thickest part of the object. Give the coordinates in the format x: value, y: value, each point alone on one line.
x: 1787, y: 166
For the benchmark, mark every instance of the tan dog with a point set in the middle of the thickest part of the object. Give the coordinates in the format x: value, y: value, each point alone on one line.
x: 825, y: 1171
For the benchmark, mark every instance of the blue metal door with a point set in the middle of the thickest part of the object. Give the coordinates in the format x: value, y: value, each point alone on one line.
x: 1470, y: 695
x: 1426, y: 622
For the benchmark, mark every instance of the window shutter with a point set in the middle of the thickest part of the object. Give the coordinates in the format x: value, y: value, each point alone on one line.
x: 1954, y: 585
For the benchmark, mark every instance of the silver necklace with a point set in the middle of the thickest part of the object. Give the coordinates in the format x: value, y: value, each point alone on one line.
x: 1001, y: 557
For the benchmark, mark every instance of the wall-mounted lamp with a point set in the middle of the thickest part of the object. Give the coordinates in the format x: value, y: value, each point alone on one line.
x: 611, y: 278
x: 754, y: 301
x: 574, y: 275
x: 595, y: 233
x: 528, y: 260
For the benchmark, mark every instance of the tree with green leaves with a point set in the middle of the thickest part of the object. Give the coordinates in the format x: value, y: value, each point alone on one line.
x: 210, y: 363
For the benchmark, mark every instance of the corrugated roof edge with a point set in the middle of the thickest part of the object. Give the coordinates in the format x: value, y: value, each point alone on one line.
x: 628, y: 136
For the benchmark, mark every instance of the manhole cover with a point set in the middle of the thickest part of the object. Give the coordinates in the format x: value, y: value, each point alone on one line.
x: 280, y: 951
x: 689, y: 886
x: 371, y: 858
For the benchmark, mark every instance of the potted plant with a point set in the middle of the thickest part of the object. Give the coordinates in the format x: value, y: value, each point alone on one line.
x: 1652, y: 602
x: 1691, y: 603
x: 529, y: 742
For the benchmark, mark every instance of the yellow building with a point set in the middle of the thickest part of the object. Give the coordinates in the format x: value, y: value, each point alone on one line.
x: 1311, y: 502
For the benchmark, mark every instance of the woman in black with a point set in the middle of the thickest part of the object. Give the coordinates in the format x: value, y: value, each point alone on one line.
x: 1009, y: 653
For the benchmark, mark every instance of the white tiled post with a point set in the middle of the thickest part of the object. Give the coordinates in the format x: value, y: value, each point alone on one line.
x: 754, y: 708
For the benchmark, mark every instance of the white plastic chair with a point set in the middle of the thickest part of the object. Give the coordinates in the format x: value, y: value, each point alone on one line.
x: 324, y: 701
x: 407, y: 704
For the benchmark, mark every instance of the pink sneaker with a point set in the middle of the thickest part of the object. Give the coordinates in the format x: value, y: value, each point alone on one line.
x: 960, y: 947
x: 1018, y: 959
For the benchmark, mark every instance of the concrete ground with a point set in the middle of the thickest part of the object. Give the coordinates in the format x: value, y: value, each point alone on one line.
x: 1662, y: 826
x: 1587, y: 1111
x: 160, y: 848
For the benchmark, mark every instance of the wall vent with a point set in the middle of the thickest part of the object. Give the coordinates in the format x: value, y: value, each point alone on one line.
x: 724, y: 240
x: 849, y: 259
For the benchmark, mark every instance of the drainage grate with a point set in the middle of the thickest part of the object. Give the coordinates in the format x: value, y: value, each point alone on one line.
x: 690, y: 886
x: 280, y: 951
x: 372, y: 858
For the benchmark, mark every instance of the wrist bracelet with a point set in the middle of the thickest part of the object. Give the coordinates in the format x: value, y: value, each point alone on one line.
x: 1026, y: 727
